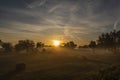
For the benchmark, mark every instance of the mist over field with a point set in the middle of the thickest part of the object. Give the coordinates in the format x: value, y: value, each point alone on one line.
x: 59, y: 39
x: 58, y: 63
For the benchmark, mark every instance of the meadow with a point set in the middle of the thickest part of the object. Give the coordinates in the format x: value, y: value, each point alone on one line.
x: 57, y: 64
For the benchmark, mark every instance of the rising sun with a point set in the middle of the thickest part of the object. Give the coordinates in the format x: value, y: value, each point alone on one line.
x: 56, y: 42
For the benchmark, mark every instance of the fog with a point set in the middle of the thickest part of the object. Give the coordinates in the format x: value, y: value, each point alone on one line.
x: 57, y: 63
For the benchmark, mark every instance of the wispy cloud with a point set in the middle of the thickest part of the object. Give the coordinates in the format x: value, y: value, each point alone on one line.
x: 70, y: 19
x: 34, y: 3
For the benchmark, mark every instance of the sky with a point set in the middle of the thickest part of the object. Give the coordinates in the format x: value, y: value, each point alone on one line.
x: 67, y: 20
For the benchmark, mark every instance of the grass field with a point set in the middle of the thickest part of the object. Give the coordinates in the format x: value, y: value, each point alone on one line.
x: 57, y: 64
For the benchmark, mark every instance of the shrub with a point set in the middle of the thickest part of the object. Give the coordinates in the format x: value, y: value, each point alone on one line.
x: 20, y: 67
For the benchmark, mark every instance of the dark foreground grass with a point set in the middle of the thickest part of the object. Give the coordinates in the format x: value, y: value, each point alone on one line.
x: 61, y: 64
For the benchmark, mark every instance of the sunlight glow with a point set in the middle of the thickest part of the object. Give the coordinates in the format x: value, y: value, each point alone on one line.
x: 56, y: 42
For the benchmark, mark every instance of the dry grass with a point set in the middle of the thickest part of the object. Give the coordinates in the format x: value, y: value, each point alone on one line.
x: 57, y: 64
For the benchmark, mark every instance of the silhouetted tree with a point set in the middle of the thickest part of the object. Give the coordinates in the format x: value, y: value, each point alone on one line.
x: 39, y: 45
x: 118, y: 39
x: 7, y: 47
x: 1, y: 43
x: 19, y: 47
x: 110, y: 40
x: 92, y: 45
x: 25, y: 45
x: 70, y: 44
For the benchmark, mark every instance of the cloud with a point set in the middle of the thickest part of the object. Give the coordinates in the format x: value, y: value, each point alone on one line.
x: 79, y: 20
x: 54, y: 8
x: 34, y: 3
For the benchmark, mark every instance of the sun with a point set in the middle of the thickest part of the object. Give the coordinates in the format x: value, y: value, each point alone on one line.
x: 56, y: 42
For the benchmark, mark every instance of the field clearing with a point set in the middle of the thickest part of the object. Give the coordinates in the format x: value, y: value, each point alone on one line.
x: 57, y: 64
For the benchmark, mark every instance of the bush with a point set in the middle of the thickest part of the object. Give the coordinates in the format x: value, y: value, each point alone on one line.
x: 110, y: 73
x: 20, y: 67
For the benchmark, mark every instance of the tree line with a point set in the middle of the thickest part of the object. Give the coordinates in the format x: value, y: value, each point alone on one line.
x: 30, y: 46
x: 109, y: 41
x: 27, y: 45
